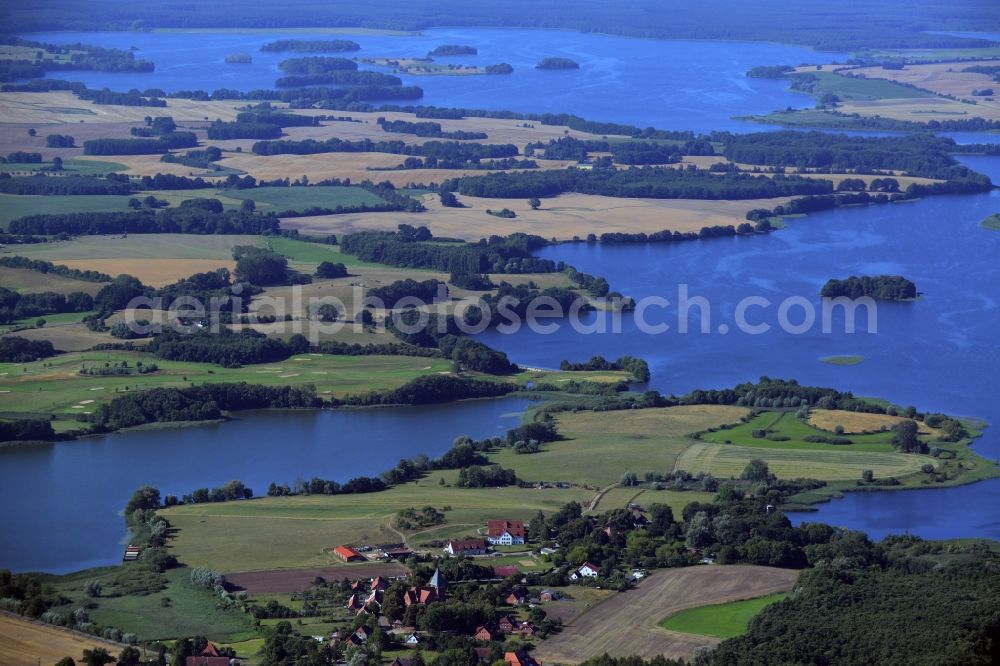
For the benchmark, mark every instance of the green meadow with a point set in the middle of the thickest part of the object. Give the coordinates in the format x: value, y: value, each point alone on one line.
x: 720, y: 620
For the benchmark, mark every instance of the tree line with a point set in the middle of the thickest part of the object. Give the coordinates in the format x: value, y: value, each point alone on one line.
x: 439, y: 150
x: 189, y: 219
x: 647, y: 182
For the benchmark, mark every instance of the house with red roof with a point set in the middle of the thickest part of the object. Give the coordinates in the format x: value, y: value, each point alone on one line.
x: 483, y: 634
x: 504, y: 570
x: 209, y: 657
x: 505, y: 532
x: 519, y: 658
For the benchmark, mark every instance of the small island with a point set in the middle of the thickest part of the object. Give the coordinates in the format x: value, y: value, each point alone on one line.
x: 881, y: 287
x: 992, y: 222
x: 500, y: 68
x: 311, y: 46
x: 453, y: 50
x: 239, y: 59
x: 557, y: 63
x: 847, y: 359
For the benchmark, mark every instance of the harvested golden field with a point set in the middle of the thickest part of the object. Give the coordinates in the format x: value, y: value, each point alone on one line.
x: 628, y: 623
x: 922, y: 110
x: 65, y: 107
x: 152, y: 272
x: 24, y: 643
x: 68, y: 337
x: 943, y: 78
x: 27, y: 281
x: 858, y: 422
x: 561, y: 217
x: 356, y: 166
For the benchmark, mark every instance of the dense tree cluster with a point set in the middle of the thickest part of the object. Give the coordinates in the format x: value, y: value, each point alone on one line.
x: 14, y: 305
x: 311, y: 45
x: 916, y: 154
x: 26, y: 430
x: 339, y: 78
x: 197, y: 403
x: 184, y: 219
x: 15, y: 349
x: 409, y: 248
x: 637, y: 367
x: 316, y: 65
x: 62, y: 185
x: 56, y: 269
x: 225, y: 348
x: 883, y: 287
x: 223, y: 131
x: 161, y: 144
x: 446, y: 151
x: 557, y: 63
x: 434, y: 389
x: 648, y: 182
x: 429, y: 130
x: 426, y: 291
x: 453, y: 50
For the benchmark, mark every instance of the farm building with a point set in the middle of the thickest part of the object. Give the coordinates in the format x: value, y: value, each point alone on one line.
x: 519, y: 658
x: 348, y: 554
x: 465, y: 547
x: 549, y: 595
x: 505, y: 532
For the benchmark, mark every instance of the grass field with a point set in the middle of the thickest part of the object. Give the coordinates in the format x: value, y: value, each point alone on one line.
x: 24, y: 643
x: 628, y: 623
x: 636, y: 441
x: 720, y: 620
x: 289, y: 532
x: 55, y: 386
x: 190, y: 611
x: 992, y: 222
x: 280, y: 199
x: 13, y: 206
x: 859, y: 88
x: 843, y: 360
x: 70, y: 167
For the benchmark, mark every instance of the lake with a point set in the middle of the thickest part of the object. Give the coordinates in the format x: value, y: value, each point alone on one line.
x: 63, y: 502
x: 939, y: 353
x: 692, y: 85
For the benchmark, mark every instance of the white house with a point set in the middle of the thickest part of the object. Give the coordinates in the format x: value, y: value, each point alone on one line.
x: 505, y: 532
x: 586, y: 570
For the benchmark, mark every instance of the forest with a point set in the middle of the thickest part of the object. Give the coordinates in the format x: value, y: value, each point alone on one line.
x: 846, y: 26
x: 451, y: 151
x: 916, y: 154
x: 653, y: 183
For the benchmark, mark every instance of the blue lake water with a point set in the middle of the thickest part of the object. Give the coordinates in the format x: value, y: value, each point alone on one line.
x: 689, y: 85
x: 939, y: 353
x: 63, y: 502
